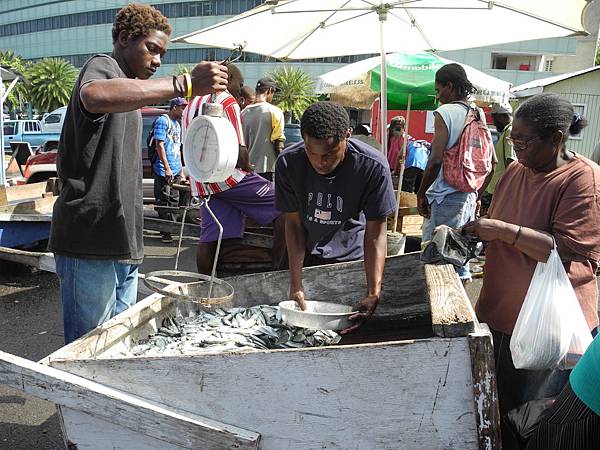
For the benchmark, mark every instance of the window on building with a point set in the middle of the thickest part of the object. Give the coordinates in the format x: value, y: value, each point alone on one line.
x: 548, y: 64
x: 499, y: 61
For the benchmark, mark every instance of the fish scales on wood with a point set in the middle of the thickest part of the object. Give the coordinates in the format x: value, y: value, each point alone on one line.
x: 236, y: 329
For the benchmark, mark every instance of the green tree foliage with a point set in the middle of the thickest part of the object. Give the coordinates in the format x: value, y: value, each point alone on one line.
x: 297, y: 91
x: 598, y: 54
x: 10, y: 61
x: 182, y: 69
x: 51, y: 82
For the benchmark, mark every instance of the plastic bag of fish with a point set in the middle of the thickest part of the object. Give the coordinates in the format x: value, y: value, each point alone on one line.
x: 236, y: 329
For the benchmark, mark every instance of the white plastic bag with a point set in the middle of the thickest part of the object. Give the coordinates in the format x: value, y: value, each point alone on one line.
x: 551, y: 330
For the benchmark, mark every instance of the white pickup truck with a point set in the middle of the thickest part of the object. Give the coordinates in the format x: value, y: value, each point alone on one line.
x: 27, y: 131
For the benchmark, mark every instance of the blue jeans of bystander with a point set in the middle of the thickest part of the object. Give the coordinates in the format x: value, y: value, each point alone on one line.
x: 93, y: 291
x: 454, y: 210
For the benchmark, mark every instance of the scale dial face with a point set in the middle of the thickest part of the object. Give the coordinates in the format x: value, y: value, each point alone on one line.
x: 211, y: 149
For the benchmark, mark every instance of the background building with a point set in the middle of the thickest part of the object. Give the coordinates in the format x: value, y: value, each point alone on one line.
x: 582, y: 89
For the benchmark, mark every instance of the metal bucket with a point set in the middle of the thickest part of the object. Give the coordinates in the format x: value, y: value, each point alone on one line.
x: 395, y: 243
x: 318, y: 315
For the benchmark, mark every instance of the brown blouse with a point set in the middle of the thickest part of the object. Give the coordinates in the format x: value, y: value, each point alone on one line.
x: 564, y: 203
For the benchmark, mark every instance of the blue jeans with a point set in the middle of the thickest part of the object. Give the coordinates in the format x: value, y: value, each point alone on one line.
x: 455, y: 210
x: 93, y: 291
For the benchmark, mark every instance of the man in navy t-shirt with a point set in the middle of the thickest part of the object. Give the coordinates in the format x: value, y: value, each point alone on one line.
x: 337, y: 193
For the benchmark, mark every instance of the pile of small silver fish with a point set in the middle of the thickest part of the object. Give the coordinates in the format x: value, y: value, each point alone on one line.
x: 236, y: 329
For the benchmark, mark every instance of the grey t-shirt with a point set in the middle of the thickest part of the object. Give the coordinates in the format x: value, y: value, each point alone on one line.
x: 334, y: 207
x: 263, y: 124
x: 99, y: 213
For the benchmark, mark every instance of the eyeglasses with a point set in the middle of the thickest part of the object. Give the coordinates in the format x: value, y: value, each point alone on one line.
x: 521, y: 145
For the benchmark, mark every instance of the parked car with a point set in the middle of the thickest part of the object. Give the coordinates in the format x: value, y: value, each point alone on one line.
x: 42, y: 165
x: 26, y: 131
x: 53, y: 122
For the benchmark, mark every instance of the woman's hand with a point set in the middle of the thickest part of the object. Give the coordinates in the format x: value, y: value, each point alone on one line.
x: 485, y: 229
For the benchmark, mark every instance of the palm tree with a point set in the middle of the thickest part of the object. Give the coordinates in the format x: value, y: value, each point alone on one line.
x: 182, y: 69
x: 51, y: 81
x: 296, y: 91
x: 13, y: 62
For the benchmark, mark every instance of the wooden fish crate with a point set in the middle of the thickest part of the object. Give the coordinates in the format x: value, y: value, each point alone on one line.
x: 418, y: 375
x: 26, y: 212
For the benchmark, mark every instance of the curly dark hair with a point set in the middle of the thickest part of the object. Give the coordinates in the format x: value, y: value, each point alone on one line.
x: 455, y: 74
x: 139, y: 20
x: 323, y: 120
x: 548, y: 113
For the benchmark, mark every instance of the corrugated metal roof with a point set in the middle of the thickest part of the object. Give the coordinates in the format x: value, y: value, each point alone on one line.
x: 532, y: 87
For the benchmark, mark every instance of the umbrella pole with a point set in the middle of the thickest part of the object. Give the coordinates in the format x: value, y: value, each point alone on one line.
x: 383, y: 96
x: 402, y: 162
x: 2, y: 174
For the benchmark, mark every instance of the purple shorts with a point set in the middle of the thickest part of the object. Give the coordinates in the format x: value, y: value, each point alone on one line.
x: 253, y: 197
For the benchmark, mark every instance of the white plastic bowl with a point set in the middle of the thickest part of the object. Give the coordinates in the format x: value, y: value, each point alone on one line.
x: 318, y: 315
x: 211, y: 149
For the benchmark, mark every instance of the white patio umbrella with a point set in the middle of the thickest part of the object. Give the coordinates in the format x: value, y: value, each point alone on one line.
x: 299, y: 29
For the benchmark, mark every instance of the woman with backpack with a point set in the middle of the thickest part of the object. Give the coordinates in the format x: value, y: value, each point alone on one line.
x: 442, y: 199
x: 550, y: 196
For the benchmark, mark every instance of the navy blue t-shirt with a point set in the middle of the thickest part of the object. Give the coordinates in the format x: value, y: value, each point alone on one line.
x: 334, y: 207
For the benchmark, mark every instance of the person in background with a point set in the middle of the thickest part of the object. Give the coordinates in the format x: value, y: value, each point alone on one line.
x: 167, y: 164
x: 96, y: 233
x: 362, y: 133
x: 243, y: 194
x: 437, y: 201
x: 548, y: 197
x: 395, y: 142
x: 336, y: 193
x: 247, y: 97
x: 502, y: 117
x: 263, y: 125
x: 573, y: 421
x: 417, y: 155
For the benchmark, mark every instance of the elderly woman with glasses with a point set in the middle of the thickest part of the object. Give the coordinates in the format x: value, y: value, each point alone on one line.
x: 550, y: 195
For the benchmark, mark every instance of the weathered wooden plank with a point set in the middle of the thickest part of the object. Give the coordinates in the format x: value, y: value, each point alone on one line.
x: 451, y: 311
x: 190, y: 229
x: 39, y: 260
x: 257, y: 240
x: 176, y: 426
x: 485, y: 391
x: 35, y: 217
x: 168, y: 226
x: 400, y: 395
x: 3, y: 195
x: 25, y: 191
x: 40, y: 205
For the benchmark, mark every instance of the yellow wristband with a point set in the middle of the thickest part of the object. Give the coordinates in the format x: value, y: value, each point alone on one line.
x: 188, y: 84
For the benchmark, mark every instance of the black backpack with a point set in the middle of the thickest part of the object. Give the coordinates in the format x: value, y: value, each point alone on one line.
x: 151, y: 142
